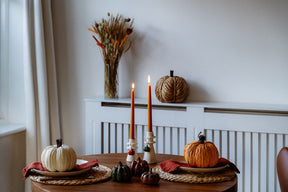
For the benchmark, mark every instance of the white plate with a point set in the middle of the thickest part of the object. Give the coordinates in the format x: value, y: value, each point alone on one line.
x: 64, y: 174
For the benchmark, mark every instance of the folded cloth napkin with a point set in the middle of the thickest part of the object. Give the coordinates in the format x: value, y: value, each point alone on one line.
x: 91, y: 163
x: 38, y: 165
x: 171, y: 166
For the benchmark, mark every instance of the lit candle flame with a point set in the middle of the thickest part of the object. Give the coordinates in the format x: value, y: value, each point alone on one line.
x: 133, y: 85
x: 148, y: 78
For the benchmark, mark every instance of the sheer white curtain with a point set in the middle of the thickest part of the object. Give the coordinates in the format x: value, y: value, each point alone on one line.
x: 42, y: 110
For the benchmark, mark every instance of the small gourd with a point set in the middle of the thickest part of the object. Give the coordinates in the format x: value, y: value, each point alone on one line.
x: 121, y: 173
x: 58, y: 157
x: 201, y: 153
x: 139, y: 167
x: 171, y: 89
x: 150, y: 178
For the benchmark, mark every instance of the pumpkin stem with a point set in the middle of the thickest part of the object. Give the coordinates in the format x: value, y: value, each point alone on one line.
x: 202, y: 138
x: 171, y: 73
x: 59, y: 142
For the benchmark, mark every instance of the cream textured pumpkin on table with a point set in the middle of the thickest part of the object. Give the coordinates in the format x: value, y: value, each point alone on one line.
x: 201, y: 153
x: 58, y: 157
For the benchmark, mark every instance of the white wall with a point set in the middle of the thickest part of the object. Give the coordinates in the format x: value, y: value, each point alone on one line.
x: 13, y: 158
x: 227, y: 50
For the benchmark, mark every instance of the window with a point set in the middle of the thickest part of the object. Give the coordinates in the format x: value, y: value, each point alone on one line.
x: 12, y: 100
x: 3, y: 57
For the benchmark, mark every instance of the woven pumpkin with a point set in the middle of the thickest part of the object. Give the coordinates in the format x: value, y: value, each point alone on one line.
x: 201, y: 153
x: 58, y: 157
x: 171, y: 89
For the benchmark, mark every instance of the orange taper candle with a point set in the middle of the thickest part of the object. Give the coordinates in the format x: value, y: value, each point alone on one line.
x: 149, y: 106
x: 132, y: 113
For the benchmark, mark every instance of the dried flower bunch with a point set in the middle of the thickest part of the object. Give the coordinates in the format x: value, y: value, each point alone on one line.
x: 112, y: 39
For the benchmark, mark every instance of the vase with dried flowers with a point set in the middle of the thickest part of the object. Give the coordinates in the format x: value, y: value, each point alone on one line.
x: 113, y: 42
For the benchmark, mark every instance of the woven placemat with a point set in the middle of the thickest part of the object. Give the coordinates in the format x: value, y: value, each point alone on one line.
x: 185, y: 177
x: 96, y: 174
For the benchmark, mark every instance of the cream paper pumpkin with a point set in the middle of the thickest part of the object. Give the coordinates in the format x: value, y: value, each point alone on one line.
x: 58, y: 157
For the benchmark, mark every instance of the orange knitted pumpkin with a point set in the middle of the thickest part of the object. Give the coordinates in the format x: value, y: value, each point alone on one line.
x: 201, y: 153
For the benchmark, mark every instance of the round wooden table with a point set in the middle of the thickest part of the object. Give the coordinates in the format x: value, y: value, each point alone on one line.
x: 110, y: 160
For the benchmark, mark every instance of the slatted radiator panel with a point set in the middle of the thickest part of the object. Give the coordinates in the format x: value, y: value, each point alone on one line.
x: 169, y: 140
x: 254, y: 154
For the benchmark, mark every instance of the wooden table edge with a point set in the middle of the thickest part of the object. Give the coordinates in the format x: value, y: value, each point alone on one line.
x: 38, y: 187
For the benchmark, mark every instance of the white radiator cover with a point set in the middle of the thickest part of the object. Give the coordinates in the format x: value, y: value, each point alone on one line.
x: 248, y: 135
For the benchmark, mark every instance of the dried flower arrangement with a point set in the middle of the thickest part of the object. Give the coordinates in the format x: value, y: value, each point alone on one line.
x: 112, y: 34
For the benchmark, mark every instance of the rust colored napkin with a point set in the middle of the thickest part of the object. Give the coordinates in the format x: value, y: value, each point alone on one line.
x: 170, y: 166
x: 38, y: 165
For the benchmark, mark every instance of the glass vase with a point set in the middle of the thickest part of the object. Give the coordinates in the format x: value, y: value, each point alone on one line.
x: 111, y: 81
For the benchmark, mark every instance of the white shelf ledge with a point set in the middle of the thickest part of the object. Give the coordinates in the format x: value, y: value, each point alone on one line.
x: 225, y: 106
x: 7, y: 129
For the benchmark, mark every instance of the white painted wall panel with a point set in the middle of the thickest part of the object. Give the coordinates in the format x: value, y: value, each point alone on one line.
x: 255, y: 176
x: 264, y: 162
x: 251, y: 140
x: 13, y: 160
